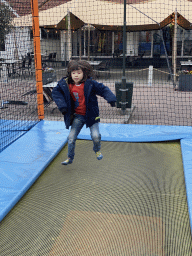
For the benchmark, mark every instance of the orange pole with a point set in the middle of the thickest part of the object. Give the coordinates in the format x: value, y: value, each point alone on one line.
x: 37, y: 58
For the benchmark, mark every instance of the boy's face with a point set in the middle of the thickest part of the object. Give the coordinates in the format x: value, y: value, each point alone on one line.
x: 77, y: 76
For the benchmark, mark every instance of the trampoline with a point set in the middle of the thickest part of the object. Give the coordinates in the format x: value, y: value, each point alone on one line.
x: 136, y: 201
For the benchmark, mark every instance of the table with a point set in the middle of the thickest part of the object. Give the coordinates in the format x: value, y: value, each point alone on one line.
x: 50, y: 85
x: 94, y: 63
x: 47, y: 92
x: 186, y: 65
x: 44, y: 56
x: 9, y: 66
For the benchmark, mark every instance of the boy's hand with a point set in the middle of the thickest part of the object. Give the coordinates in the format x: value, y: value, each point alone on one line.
x: 112, y: 103
x: 64, y: 111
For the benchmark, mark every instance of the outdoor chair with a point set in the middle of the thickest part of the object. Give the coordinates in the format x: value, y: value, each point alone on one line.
x: 54, y: 55
x: 51, y: 59
x: 135, y: 61
x: 25, y: 67
x: 47, y: 60
x: 50, y: 56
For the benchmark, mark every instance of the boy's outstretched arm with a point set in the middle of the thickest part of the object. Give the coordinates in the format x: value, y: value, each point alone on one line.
x: 105, y: 92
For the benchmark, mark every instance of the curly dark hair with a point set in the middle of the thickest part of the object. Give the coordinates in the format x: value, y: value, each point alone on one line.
x: 79, y: 64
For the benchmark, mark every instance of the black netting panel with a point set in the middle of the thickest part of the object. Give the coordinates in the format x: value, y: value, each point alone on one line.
x: 157, y: 54
x: 18, y: 107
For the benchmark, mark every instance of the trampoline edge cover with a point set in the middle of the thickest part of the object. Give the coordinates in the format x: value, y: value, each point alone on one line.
x: 25, y: 159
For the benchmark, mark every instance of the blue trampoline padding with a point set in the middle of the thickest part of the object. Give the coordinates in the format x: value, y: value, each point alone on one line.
x: 24, y: 160
x: 139, y: 133
x: 10, y: 137
x: 186, y: 149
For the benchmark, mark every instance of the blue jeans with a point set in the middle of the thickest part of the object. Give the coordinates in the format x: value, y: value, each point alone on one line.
x: 76, y: 127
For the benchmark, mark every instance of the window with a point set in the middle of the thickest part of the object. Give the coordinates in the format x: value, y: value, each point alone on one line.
x: 118, y: 43
x: 100, y: 42
x: 145, y: 39
x: 31, y: 34
x: 50, y: 34
x: 2, y: 45
x: 187, y: 51
x: 2, y: 42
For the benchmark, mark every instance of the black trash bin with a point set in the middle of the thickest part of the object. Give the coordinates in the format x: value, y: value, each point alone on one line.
x: 129, y: 93
x: 185, y: 83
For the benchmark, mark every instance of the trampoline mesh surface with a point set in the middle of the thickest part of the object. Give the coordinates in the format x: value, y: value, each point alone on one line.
x: 133, y: 202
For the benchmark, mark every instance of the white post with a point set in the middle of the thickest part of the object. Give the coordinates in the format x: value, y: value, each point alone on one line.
x: 80, y: 44
x: 130, y: 44
x: 150, y: 76
x: 4, y: 73
x: 62, y: 45
x: 113, y: 40
x: 175, y: 48
x: 183, y: 41
x: 88, y: 48
x: 69, y: 37
x: 84, y: 43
